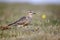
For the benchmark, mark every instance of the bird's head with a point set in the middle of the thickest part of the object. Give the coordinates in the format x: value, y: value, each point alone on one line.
x: 31, y: 12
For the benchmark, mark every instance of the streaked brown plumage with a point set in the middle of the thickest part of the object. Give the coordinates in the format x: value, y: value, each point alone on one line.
x: 25, y: 20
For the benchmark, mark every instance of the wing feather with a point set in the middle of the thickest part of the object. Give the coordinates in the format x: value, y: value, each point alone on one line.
x: 21, y: 20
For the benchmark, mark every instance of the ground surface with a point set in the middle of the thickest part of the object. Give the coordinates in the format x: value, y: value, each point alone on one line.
x: 39, y: 29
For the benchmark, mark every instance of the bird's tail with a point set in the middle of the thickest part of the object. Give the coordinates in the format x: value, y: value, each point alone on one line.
x: 11, y: 24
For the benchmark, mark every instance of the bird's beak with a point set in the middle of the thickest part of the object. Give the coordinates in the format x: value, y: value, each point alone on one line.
x: 34, y: 13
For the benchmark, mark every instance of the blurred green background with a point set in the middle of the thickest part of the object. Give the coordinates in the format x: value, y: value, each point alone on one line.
x: 48, y: 29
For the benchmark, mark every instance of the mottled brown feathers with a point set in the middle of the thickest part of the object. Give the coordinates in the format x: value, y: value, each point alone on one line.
x: 25, y: 20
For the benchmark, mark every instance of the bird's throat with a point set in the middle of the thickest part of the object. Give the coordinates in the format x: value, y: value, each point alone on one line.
x: 30, y: 16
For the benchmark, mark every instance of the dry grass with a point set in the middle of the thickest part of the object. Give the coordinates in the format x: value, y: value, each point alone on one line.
x: 41, y: 29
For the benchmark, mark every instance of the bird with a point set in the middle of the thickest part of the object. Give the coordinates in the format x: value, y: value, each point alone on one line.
x: 25, y: 20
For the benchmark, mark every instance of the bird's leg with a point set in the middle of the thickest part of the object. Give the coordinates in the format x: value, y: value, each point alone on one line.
x: 26, y: 27
x: 19, y: 25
